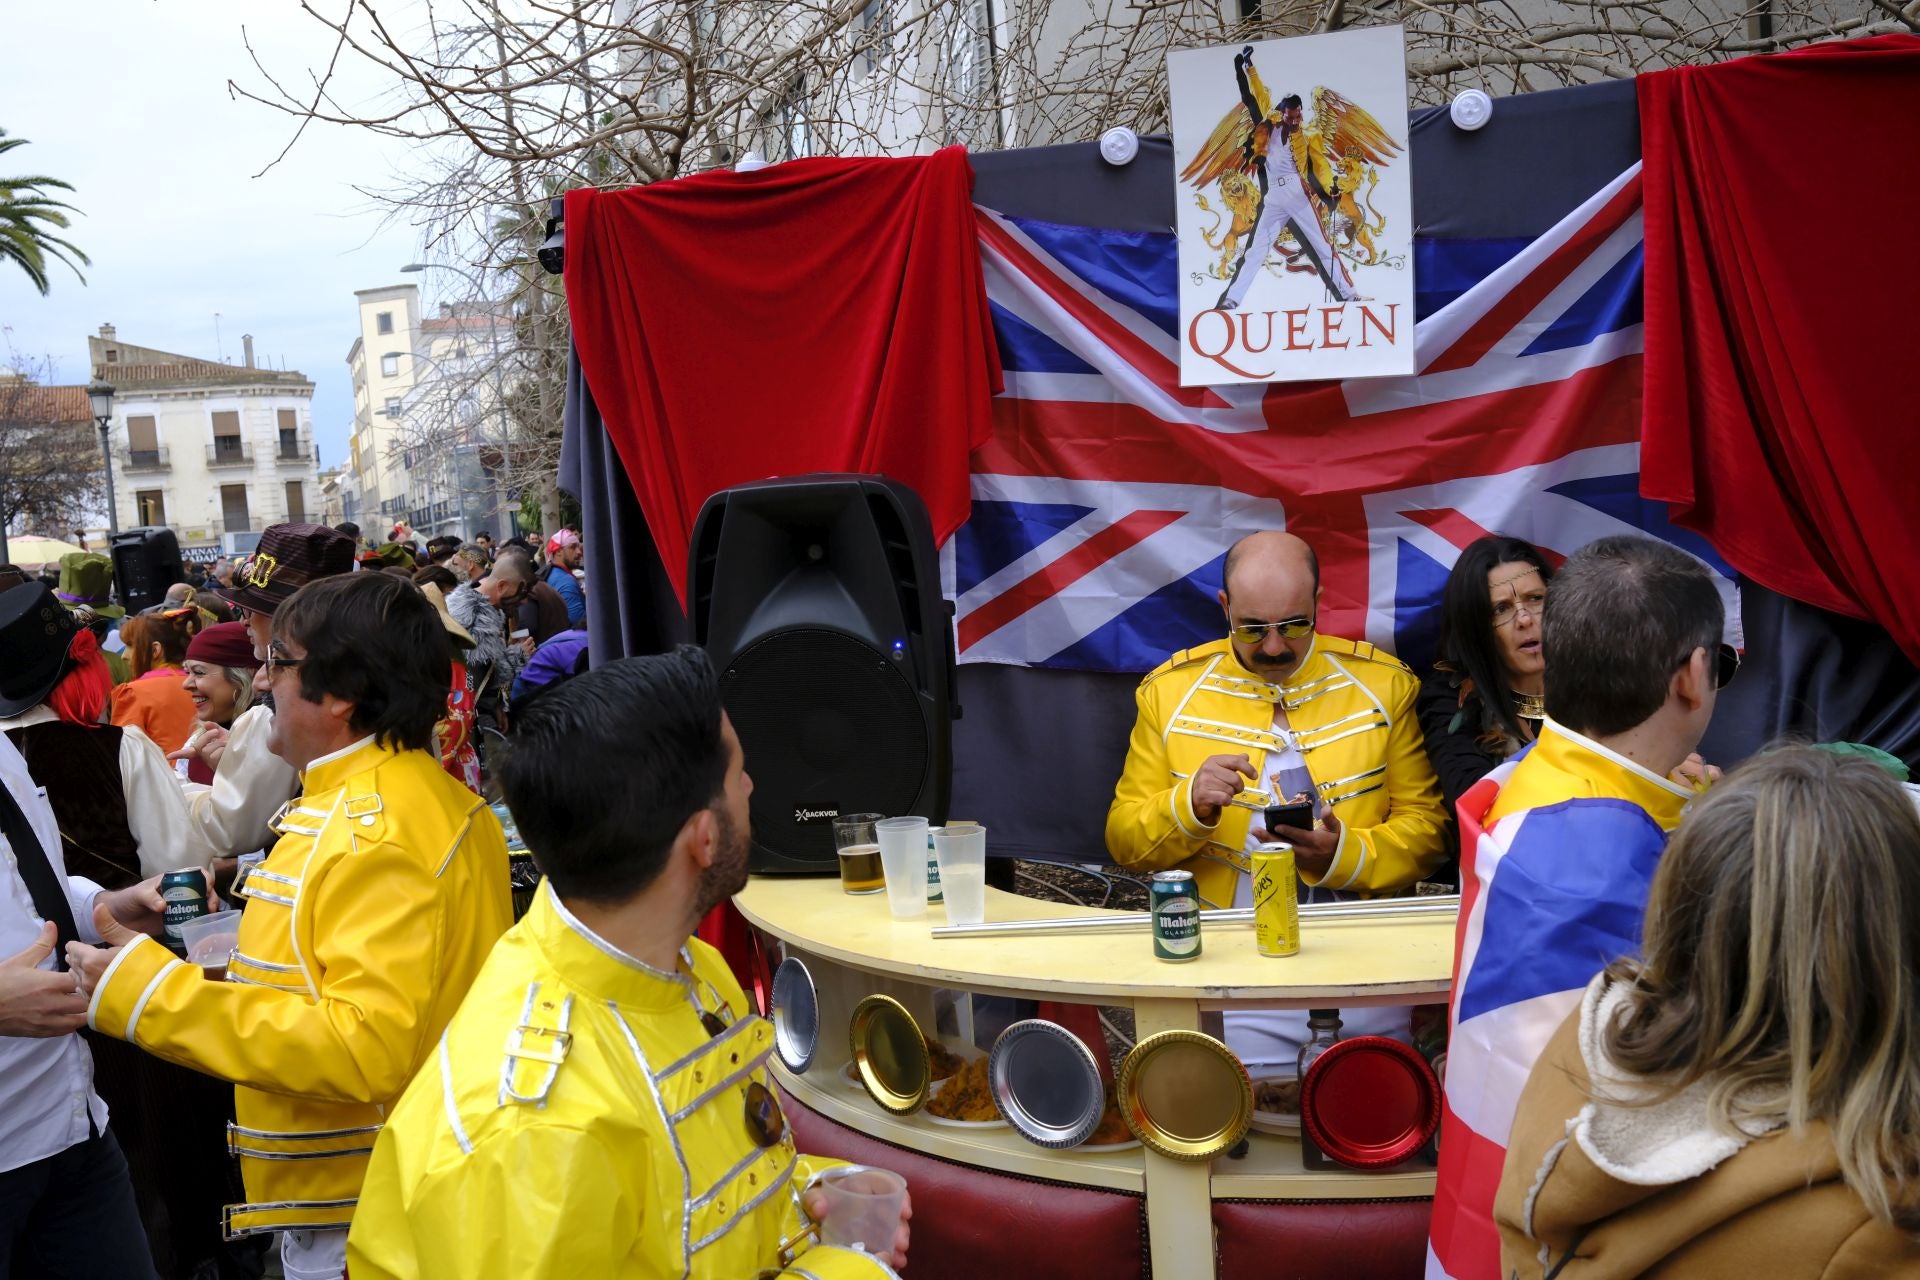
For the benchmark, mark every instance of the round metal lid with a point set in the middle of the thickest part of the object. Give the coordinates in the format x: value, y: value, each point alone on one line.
x: 889, y: 1054
x: 1046, y: 1083
x: 1185, y: 1095
x: 795, y: 1010
x: 1370, y: 1102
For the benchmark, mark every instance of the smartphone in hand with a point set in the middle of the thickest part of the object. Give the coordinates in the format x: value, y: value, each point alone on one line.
x: 1298, y: 815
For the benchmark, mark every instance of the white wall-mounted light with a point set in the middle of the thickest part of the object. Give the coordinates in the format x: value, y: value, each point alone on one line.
x: 1119, y: 145
x: 1471, y: 109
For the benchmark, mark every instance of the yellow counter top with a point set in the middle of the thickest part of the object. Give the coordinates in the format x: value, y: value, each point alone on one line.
x: 1345, y: 963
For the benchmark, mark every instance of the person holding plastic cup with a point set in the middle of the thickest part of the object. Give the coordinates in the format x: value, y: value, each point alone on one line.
x: 601, y: 1105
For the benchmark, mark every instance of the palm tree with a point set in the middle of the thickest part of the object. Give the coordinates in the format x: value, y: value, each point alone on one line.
x: 26, y: 214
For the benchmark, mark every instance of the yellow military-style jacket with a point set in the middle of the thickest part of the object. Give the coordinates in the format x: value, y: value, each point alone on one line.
x: 580, y: 1121
x: 362, y: 929
x: 1350, y: 707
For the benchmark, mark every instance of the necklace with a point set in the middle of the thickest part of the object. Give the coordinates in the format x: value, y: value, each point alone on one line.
x: 1530, y: 706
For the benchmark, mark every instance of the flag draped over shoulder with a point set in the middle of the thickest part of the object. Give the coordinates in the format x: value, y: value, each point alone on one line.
x: 817, y: 315
x: 1558, y: 851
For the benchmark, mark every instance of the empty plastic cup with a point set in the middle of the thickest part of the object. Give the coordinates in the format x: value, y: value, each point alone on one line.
x: 961, y: 848
x: 863, y: 1207
x: 903, y: 855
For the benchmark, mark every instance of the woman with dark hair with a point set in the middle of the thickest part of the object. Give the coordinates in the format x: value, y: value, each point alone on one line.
x: 1486, y: 696
x: 1742, y: 1097
x: 156, y: 699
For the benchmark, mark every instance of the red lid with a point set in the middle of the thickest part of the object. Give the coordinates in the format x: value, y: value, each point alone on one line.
x: 1370, y: 1102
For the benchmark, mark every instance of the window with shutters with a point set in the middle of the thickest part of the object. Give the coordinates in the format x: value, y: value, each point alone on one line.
x: 233, y: 508
x: 227, y: 444
x: 151, y: 505
x: 143, y: 441
x: 296, y: 502
x: 390, y: 365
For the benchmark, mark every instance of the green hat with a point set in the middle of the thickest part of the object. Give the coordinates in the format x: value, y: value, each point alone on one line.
x: 86, y: 578
x: 1891, y: 763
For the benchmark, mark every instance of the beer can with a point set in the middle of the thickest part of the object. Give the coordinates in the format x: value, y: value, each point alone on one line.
x: 1276, y: 901
x: 1176, y: 915
x: 185, y: 893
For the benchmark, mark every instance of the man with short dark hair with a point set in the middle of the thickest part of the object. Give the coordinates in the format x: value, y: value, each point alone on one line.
x: 1558, y: 848
x: 604, y: 1050
x: 368, y: 919
x: 484, y: 540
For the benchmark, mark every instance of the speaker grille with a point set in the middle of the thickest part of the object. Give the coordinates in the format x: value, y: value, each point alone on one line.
x: 826, y: 721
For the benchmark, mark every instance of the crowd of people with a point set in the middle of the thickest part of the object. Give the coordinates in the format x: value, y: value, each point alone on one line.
x: 388, y: 1077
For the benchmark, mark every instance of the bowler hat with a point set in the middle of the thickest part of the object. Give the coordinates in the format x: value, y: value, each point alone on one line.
x: 86, y: 578
x: 35, y: 633
x: 288, y: 557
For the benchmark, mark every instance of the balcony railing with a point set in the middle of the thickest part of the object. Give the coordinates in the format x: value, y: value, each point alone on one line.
x: 297, y: 450
x: 234, y: 524
x: 229, y: 451
x: 135, y: 461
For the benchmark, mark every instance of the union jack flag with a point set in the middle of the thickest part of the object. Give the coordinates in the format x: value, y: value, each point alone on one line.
x: 1108, y: 494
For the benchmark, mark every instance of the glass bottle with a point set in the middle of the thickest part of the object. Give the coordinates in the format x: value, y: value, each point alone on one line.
x: 1323, y: 1032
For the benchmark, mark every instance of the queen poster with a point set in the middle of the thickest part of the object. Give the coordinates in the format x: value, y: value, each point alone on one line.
x: 1295, y: 209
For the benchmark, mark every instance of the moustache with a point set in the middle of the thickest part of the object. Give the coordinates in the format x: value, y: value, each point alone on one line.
x: 1280, y: 660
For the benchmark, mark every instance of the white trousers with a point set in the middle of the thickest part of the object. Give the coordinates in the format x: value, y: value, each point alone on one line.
x: 313, y: 1255
x: 1287, y: 202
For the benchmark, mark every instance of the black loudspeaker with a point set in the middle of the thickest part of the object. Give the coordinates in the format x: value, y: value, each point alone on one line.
x: 145, y: 563
x: 818, y: 599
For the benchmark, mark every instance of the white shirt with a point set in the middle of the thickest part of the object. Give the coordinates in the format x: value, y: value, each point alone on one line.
x: 48, y: 1095
x: 231, y: 816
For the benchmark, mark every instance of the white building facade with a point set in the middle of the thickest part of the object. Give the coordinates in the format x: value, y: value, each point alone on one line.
x: 215, y: 452
x: 428, y: 399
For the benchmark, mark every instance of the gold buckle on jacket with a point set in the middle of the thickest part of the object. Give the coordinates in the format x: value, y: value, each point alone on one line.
x: 789, y: 1250
x: 562, y: 1042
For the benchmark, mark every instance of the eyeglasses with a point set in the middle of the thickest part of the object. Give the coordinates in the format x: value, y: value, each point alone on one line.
x: 1256, y: 632
x: 1508, y: 611
x: 277, y: 661
x: 1726, y: 664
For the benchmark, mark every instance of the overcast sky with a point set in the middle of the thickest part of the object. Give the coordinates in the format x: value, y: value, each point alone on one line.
x: 128, y: 101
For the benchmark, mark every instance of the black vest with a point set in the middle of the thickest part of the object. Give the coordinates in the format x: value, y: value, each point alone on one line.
x: 79, y: 765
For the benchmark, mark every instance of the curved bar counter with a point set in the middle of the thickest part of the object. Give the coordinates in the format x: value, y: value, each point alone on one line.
x: 854, y: 947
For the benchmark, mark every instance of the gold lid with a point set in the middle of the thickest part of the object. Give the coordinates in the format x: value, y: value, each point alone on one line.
x: 1185, y: 1095
x: 890, y: 1054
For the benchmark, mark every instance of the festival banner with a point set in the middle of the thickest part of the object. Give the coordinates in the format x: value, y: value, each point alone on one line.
x: 1295, y: 209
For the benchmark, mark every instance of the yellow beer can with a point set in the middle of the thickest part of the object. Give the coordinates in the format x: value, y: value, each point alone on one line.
x: 1276, y: 900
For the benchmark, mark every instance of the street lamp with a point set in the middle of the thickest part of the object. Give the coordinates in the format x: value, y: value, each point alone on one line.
x: 100, y: 400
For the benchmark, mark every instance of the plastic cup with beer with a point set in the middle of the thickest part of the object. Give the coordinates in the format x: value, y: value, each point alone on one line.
x: 903, y: 856
x: 210, y: 940
x: 863, y: 1207
x: 859, y: 848
x: 961, y: 848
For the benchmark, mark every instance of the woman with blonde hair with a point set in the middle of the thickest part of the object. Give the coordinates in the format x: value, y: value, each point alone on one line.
x: 1743, y: 1100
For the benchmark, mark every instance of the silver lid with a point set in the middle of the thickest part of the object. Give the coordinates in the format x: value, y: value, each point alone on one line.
x: 1167, y: 876
x: 1046, y: 1083
x: 1273, y: 846
x: 795, y: 1009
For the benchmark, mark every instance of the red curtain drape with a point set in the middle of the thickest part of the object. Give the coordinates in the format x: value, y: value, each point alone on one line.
x: 817, y: 315
x: 1782, y: 278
